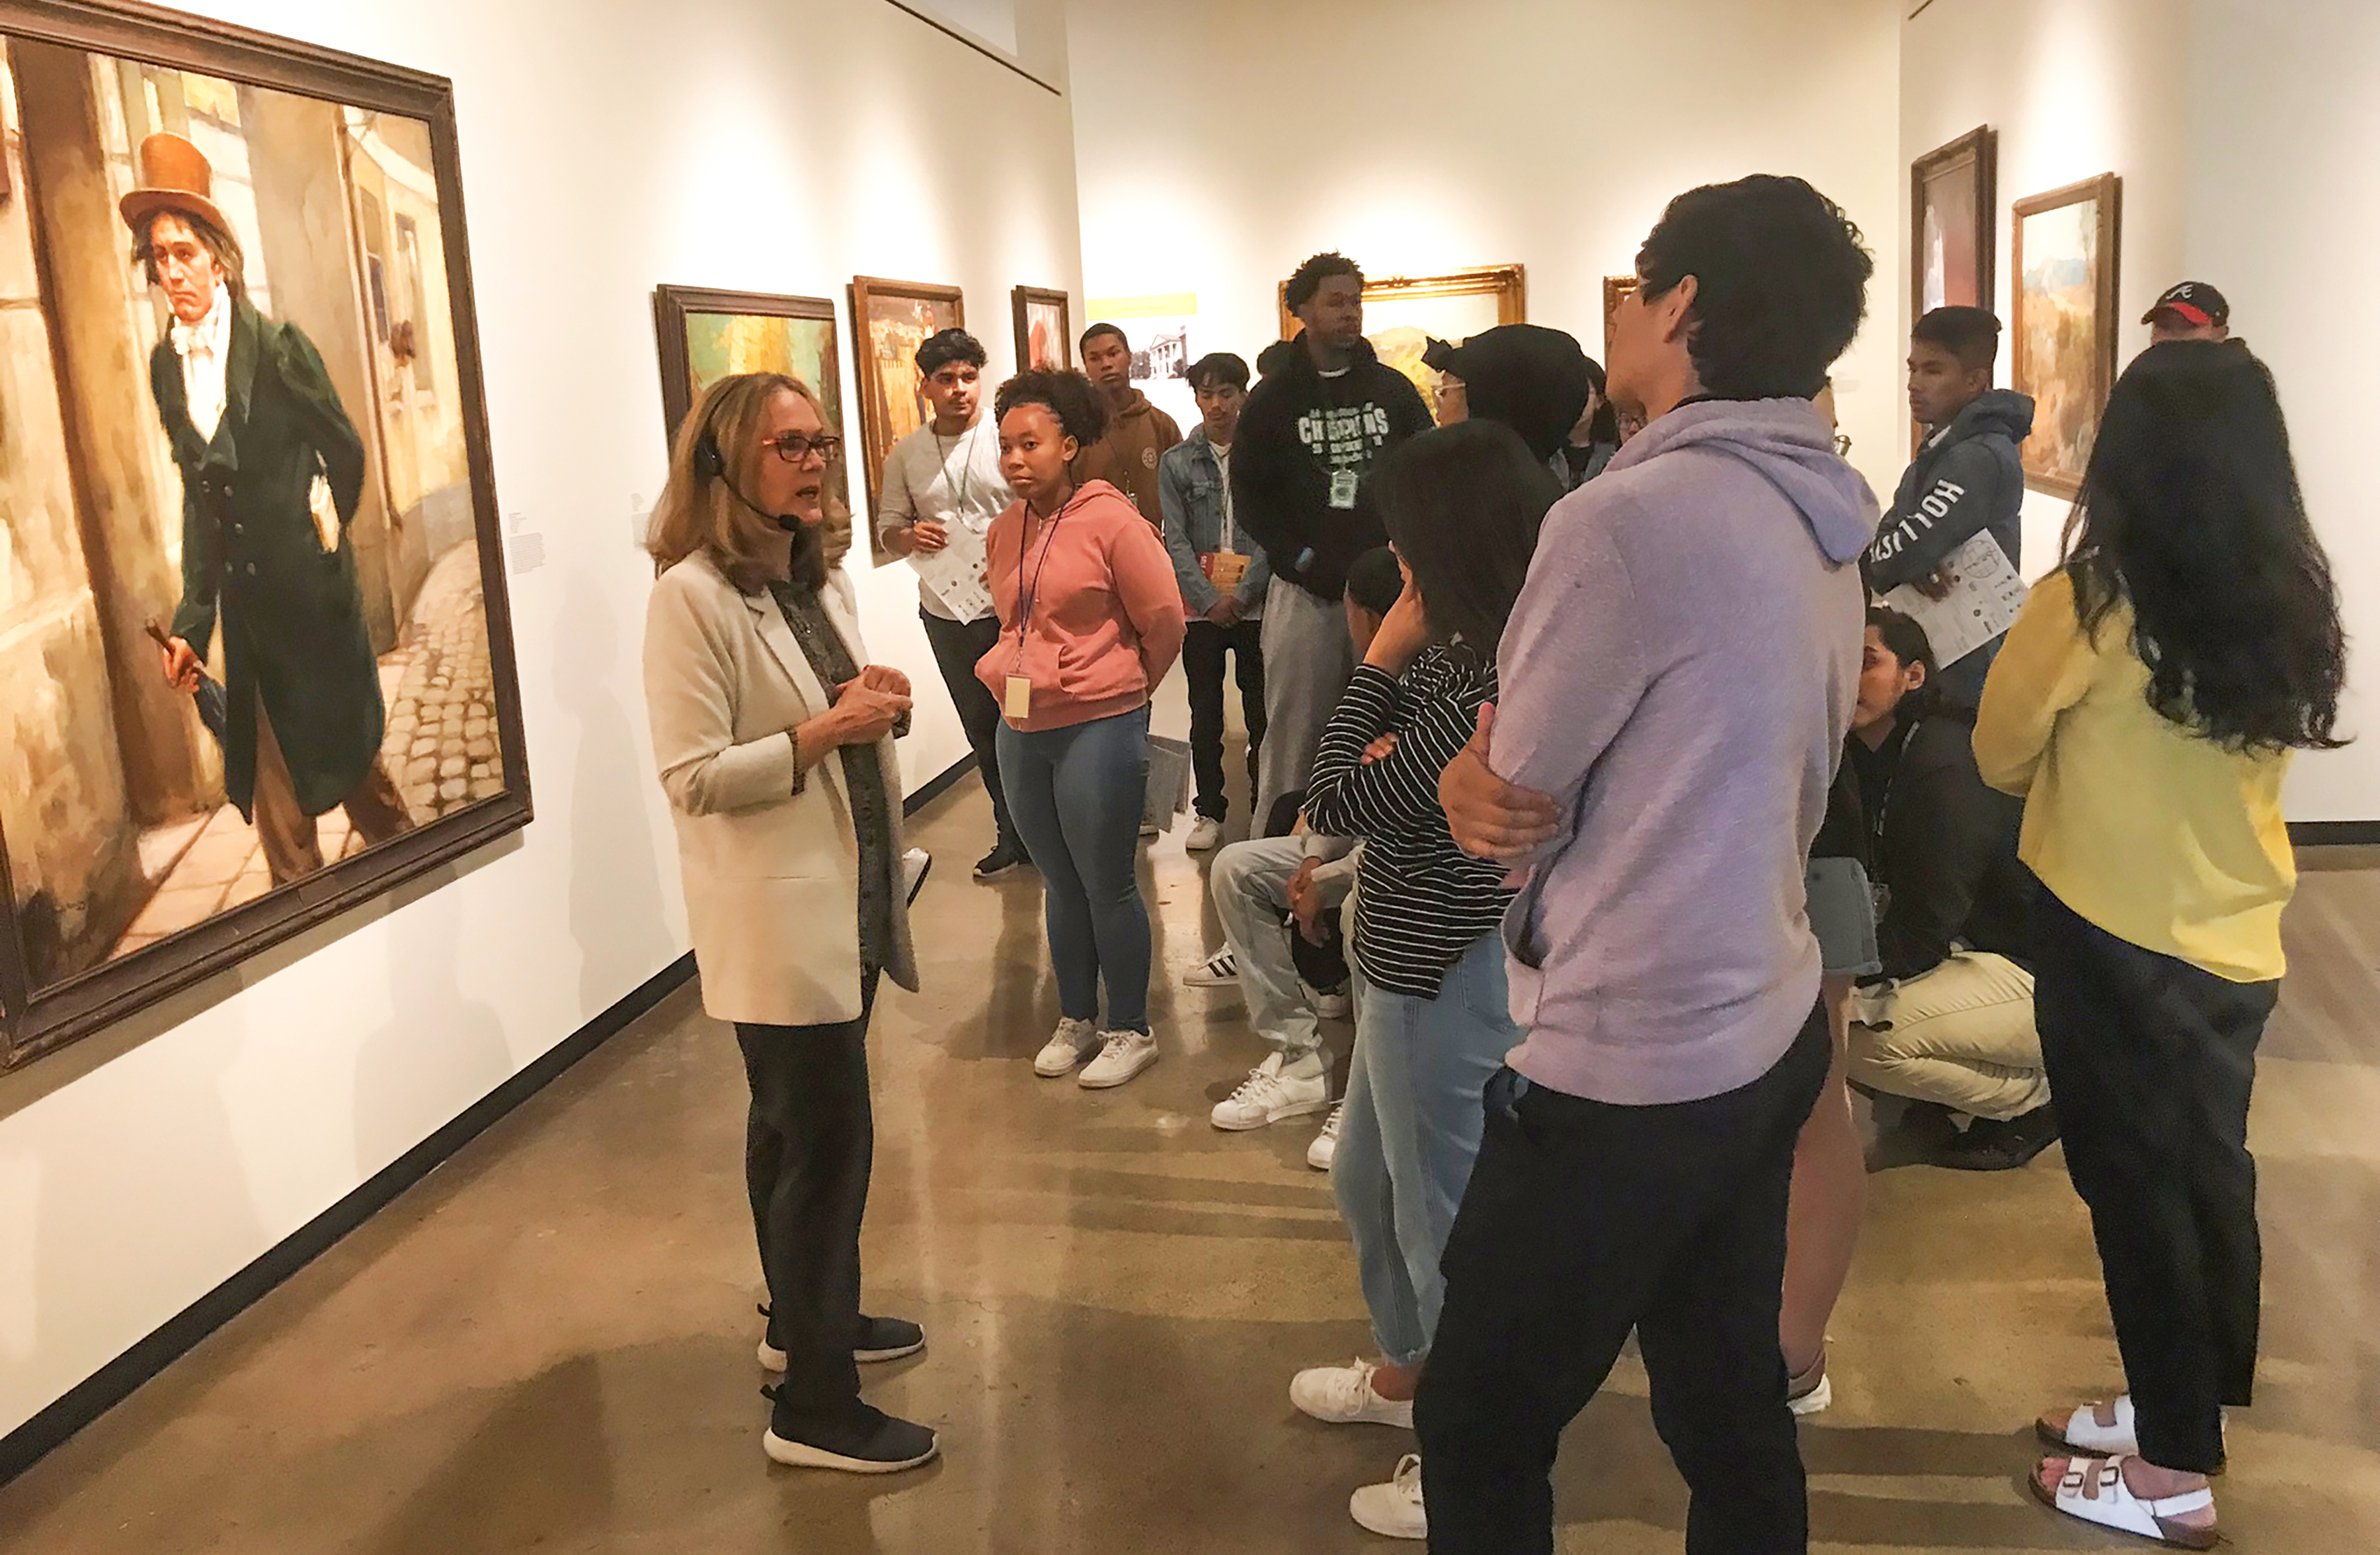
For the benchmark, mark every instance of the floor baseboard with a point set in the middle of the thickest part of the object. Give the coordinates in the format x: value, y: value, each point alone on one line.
x: 116, y: 1381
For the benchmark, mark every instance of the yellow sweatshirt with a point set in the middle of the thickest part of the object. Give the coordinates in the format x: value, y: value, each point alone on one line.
x: 2157, y: 835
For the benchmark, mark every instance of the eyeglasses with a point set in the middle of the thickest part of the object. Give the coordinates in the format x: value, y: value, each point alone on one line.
x: 1842, y: 446
x: 793, y: 447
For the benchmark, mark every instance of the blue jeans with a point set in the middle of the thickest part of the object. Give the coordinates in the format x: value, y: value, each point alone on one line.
x: 1077, y: 794
x: 1409, y: 1134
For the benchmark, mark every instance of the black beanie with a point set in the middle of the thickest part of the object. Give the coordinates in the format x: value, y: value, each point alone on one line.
x: 1535, y: 379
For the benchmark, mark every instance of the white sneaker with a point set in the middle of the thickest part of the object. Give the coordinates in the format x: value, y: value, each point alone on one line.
x: 1272, y: 1092
x: 1074, y: 1042
x: 1125, y: 1055
x: 1344, y: 1396
x: 1325, y: 1147
x: 1336, y: 1005
x: 1206, y: 834
x: 1219, y: 970
x: 1393, y: 1511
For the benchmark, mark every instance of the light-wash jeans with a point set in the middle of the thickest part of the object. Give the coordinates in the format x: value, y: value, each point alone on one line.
x: 1309, y: 661
x: 1409, y: 1134
x: 1249, y: 882
x: 1077, y: 794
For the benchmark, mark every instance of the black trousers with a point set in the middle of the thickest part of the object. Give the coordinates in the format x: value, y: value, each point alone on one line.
x: 957, y: 646
x: 807, y: 1147
x: 2152, y: 1060
x: 1583, y: 1220
x: 1203, y: 647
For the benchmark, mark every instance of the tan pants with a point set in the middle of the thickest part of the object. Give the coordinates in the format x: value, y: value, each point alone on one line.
x: 292, y: 839
x: 1961, y: 1034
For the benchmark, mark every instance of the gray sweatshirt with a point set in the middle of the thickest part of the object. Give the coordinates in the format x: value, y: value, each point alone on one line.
x: 1679, y: 672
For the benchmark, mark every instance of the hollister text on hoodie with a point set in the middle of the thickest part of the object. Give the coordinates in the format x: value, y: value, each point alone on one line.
x: 1966, y: 480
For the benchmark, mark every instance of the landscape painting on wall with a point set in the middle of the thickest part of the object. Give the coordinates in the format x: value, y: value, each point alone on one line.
x: 255, y: 659
x: 2064, y: 324
x: 890, y: 320
x: 1403, y: 313
x: 705, y: 335
x: 1043, y: 335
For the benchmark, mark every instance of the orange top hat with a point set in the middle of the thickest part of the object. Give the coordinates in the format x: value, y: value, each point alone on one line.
x: 174, y: 176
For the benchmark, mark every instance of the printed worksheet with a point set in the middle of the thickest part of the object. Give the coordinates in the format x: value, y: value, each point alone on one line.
x: 1986, y: 594
x: 955, y: 573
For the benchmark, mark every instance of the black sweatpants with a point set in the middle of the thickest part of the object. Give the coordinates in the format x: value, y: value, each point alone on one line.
x: 2151, y: 1061
x: 1584, y: 1221
x: 958, y: 646
x: 807, y: 1147
x: 1203, y: 647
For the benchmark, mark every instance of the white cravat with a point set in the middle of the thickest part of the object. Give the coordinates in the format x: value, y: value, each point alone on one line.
x: 206, y: 349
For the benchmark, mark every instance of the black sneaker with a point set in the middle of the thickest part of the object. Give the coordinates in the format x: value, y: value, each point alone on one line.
x: 887, y: 1338
x: 1989, y: 1146
x: 1005, y: 856
x: 867, y: 1441
x: 881, y: 1338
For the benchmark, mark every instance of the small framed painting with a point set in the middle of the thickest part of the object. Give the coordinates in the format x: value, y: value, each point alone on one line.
x: 705, y: 335
x: 1045, y: 337
x: 1617, y: 289
x: 2064, y: 323
x: 888, y: 321
x: 1951, y: 240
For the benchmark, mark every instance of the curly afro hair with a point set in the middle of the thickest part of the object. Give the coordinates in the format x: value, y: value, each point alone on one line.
x: 1067, y: 394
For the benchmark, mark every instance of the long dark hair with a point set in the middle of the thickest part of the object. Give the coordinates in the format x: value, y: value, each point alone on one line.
x: 2191, y: 512
x: 1462, y: 505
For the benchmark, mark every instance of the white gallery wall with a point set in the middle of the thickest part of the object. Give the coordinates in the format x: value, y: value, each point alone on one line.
x: 2248, y: 138
x: 1218, y: 142
x: 763, y: 145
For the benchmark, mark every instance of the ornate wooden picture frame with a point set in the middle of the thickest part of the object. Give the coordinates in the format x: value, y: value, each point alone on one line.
x: 888, y: 321
x: 2063, y: 307
x: 150, y: 836
x: 1045, y: 327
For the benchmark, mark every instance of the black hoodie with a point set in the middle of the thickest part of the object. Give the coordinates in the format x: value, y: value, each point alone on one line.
x: 1301, y: 430
x: 1940, y: 845
x: 1967, y: 479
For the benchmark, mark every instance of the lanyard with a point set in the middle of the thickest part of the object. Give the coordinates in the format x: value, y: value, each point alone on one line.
x: 1223, y: 470
x: 966, y: 439
x: 1025, y: 600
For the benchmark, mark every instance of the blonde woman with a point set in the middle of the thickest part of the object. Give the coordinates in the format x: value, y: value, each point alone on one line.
x: 774, y: 741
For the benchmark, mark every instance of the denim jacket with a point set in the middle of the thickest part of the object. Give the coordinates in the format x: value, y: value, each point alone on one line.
x: 1190, y: 486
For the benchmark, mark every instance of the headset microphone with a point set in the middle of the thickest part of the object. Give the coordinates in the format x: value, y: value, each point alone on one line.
x: 711, y: 464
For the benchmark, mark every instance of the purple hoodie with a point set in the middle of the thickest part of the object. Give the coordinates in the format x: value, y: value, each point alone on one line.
x: 1679, y: 672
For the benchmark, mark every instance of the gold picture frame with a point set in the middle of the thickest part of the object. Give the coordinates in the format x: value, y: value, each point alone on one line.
x: 888, y: 321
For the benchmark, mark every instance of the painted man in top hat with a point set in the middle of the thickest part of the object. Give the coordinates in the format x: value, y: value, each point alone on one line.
x: 272, y: 470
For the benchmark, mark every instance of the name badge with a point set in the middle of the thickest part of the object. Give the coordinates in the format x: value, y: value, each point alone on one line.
x: 1225, y: 569
x: 1343, y: 488
x: 1018, y: 706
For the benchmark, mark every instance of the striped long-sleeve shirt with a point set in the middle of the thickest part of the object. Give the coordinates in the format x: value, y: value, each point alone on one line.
x: 1420, y: 901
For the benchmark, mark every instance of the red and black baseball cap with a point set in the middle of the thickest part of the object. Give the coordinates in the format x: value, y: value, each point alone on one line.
x: 2194, y: 303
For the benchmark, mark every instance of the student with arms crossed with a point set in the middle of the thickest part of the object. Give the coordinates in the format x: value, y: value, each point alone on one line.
x: 1676, y: 680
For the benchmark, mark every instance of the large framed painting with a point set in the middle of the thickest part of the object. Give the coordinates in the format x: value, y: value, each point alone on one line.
x: 704, y: 336
x: 2064, y: 323
x: 1045, y: 337
x: 888, y: 321
x: 256, y: 662
x: 1951, y: 241
x: 1403, y: 313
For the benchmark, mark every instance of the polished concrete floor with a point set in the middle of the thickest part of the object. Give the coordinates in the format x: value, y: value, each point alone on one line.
x: 548, y: 1344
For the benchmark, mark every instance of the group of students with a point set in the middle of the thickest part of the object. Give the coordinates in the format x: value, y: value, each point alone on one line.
x: 1653, y: 831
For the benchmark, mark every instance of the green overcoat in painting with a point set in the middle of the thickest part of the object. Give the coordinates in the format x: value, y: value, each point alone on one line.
x: 292, y: 612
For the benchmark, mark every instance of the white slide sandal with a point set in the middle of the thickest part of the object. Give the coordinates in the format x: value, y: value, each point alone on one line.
x: 2082, y: 1433
x: 2092, y: 1490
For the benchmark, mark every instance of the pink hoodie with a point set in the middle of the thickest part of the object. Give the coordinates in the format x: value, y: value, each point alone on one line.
x: 1089, y: 611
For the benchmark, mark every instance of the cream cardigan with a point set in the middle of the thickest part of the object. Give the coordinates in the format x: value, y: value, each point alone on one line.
x: 771, y: 876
